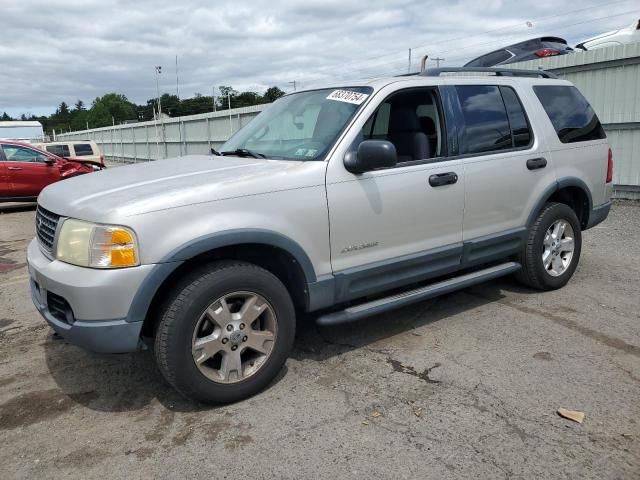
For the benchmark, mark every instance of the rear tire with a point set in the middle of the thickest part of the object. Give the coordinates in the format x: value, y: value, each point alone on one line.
x: 552, y: 250
x: 208, y: 344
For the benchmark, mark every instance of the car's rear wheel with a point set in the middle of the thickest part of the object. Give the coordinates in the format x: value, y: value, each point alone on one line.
x: 226, y: 333
x: 552, y: 250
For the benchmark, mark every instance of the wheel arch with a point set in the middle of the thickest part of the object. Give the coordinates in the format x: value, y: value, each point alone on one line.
x: 272, y: 251
x: 572, y: 192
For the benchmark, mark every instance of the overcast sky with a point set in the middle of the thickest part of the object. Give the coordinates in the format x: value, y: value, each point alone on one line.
x: 64, y: 50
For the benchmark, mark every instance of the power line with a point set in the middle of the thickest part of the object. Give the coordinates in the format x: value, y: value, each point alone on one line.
x: 501, y: 41
x: 564, y: 27
x: 465, y: 37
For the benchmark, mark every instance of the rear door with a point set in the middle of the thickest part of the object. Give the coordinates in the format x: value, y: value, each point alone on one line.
x: 84, y: 151
x: 27, y: 171
x: 506, y: 165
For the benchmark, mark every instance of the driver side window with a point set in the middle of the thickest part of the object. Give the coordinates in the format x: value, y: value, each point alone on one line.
x: 412, y: 121
x: 14, y: 153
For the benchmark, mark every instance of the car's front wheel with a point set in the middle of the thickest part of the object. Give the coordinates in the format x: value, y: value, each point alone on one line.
x: 226, y: 333
x: 552, y: 250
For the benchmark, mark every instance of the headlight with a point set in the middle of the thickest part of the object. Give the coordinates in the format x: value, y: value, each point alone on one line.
x: 98, y: 246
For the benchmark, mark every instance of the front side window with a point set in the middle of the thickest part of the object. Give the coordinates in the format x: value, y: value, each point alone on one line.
x: 59, y: 150
x: 82, y: 149
x: 485, y: 117
x: 14, y: 153
x: 299, y: 126
x: 412, y: 121
x: 571, y: 115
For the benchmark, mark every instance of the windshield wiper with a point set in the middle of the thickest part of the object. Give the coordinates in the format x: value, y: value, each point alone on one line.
x: 244, y: 152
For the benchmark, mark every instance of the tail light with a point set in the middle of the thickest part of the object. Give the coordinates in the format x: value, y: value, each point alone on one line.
x: 102, y: 160
x: 610, y: 167
x: 546, y: 52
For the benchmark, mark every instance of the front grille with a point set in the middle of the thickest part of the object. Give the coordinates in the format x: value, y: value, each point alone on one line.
x: 46, y: 225
x: 59, y: 308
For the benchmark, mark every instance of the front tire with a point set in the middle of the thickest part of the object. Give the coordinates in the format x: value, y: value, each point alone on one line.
x: 552, y: 250
x: 226, y: 332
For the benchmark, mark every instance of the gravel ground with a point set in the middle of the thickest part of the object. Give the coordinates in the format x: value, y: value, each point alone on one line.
x: 464, y: 386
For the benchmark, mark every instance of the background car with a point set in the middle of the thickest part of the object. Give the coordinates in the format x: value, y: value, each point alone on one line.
x: 86, y: 151
x: 25, y: 170
x: 519, y: 52
x: 630, y: 34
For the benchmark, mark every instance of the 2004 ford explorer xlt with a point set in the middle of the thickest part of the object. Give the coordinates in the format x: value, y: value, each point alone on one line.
x: 345, y: 201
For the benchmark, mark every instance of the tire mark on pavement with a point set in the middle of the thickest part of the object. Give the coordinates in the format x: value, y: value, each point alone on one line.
x: 599, y: 337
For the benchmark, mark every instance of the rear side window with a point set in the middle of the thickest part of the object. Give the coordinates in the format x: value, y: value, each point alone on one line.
x: 83, y: 149
x: 517, y: 118
x: 60, y: 150
x: 485, y: 117
x: 571, y: 115
x: 491, y: 59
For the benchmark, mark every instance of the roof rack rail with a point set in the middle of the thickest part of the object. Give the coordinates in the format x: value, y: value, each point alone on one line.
x: 499, y: 72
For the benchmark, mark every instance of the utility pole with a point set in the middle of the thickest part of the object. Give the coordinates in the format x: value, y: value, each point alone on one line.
x: 213, y: 97
x: 438, y: 60
x: 158, y: 72
x: 294, y: 85
x: 409, y: 66
x: 177, y: 89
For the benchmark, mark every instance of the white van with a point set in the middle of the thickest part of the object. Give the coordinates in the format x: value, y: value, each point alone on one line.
x: 79, y: 150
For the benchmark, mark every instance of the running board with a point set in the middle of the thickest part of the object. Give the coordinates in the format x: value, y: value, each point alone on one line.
x: 362, y: 310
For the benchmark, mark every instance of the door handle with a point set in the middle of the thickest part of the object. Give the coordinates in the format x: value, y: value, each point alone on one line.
x: 440, y: 179
x: 536, y: 163
x: 14, y: 168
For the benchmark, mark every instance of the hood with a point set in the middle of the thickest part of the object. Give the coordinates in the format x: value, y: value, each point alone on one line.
x: 120, y: 192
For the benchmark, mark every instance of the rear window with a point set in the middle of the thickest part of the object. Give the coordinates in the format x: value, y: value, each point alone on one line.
x: 83, y: 149
x: 571, y: 115
x: 60, y: 150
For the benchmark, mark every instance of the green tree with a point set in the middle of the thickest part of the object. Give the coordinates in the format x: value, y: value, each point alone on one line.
x: 99, y: 115
x: 79, y: 106
x: 272, y: 94
x: 112, y: 107
x: 5, y: 117
x: 63, y: 109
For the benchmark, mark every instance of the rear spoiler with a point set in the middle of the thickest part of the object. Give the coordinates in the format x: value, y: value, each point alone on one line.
x: 553, y: 39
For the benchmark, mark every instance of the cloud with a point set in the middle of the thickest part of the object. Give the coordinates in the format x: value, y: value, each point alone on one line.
x: 64, y: 50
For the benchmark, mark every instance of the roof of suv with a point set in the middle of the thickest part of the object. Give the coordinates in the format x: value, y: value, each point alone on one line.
x: 457, y: 78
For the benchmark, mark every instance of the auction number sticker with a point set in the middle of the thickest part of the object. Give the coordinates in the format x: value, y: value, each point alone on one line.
x: 348, y: 96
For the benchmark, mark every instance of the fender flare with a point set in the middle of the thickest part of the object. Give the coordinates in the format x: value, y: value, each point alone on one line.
x: 553, y: 188
x: 173, y: 260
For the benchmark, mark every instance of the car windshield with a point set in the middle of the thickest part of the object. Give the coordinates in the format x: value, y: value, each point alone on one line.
x: 299, y: 126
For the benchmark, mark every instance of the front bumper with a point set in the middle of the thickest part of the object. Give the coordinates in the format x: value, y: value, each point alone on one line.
x: 88, y: 307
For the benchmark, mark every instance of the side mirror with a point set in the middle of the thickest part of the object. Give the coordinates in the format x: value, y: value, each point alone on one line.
x: 371, y: 155
x: 49, y: 161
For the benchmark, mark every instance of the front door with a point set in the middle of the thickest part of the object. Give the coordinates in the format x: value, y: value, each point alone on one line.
x: 27, y: 171
x: 395, y: 226
x: 4, y: 180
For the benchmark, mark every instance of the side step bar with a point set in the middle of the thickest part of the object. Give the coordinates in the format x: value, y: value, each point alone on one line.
x: 362, y: 310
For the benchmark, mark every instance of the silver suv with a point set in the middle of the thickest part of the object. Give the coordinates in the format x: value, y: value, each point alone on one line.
x: 346, y: 201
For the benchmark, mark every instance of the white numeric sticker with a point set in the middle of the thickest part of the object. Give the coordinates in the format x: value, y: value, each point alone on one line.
x: 348, y: 96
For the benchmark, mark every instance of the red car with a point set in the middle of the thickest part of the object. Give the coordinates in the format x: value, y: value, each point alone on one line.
x: 25, y: 170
